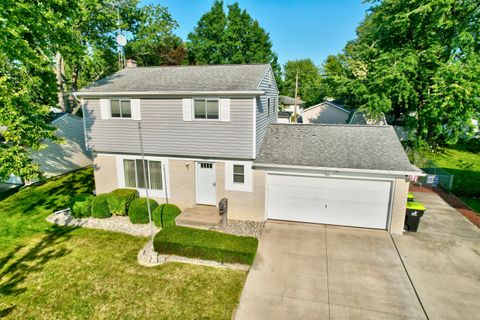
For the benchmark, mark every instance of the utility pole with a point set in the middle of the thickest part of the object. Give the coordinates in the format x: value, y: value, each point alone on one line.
x: 296, y: 94
x: 119, y: 48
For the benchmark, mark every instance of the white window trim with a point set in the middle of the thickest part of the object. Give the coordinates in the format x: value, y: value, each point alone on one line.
x: 120, y: 104
x: 206, y: 99
x: 142, y: 191
x: 247, y: 186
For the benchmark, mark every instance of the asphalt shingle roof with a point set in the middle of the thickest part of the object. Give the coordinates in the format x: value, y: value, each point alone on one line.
x: 334, y: 146
x: 289, y: 100
x: 182, y: 78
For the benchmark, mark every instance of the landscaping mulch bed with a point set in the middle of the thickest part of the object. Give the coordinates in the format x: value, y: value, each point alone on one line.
x: 242, y: 228
x: 452, y: 200
x: 114, y: 223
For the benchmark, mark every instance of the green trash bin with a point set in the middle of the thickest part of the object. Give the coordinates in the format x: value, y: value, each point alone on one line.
x: 415, y: 211
x: 410, y: 197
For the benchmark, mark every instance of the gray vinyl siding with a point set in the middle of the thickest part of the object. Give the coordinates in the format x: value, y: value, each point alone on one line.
x: 263, y: 119
x: 165, y: 132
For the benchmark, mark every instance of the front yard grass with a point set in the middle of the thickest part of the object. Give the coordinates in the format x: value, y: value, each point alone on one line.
x: 206, y: 245
x: 51, y: 272
x: 465, y: 166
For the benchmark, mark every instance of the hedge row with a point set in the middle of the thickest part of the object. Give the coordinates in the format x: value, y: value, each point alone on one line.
x: 205, y: 244
x: 123, y: 202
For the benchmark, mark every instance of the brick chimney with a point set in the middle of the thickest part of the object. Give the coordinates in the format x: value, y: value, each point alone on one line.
x: 131, y: 63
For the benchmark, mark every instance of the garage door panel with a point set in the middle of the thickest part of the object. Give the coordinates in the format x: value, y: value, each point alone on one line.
x: 351, y: 202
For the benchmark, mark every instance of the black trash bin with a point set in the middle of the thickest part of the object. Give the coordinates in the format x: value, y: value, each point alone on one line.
x: 415, y: 211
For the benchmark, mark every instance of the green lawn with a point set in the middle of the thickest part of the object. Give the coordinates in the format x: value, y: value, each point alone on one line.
x: 465, y: 166
x: 49, y: 272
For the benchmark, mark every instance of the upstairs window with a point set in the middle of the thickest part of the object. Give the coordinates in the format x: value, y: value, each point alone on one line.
x: 268, y: 105
x: 206, y: 109
x: 120, y: 108
x: 134, y: 178
x: 238, y: 173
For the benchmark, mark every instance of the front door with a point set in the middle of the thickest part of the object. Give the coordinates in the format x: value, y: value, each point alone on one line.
x: 205, y: 173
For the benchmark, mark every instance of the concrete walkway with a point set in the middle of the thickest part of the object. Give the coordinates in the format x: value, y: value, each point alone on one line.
x: 443, y: 260
x: 304, y: 271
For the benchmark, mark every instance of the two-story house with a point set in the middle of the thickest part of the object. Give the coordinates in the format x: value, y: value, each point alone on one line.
x: 210, y: 132
x: 202, y: 127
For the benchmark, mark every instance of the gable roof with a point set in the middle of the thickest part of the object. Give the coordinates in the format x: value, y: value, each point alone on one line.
x: 181, y: 79
x: 328, y: 103
x: 358, y: 148
x: 286, y: 100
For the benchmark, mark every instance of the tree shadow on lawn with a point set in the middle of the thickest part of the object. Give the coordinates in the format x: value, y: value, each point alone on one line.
x: 40, y: 198
x: 19, y: 268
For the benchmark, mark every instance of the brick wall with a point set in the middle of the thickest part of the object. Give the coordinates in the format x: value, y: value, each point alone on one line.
x: 243, y: 205
x: 105, y: 172
x: 399, y: 204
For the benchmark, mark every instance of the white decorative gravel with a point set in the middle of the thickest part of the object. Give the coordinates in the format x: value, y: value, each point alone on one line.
x: 241, y: 228
x: 114, y: 223
x: 149, y: 258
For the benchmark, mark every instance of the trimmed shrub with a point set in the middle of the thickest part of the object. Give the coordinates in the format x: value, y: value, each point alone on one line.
x: 170, y: 212
x: 205, y: 244
x: 100, y: 206
x: 119, y: 200
x: 138, y: 210
x: 80, y: 205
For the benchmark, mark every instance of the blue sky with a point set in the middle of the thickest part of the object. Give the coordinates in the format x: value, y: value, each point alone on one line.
x: 298, y: 29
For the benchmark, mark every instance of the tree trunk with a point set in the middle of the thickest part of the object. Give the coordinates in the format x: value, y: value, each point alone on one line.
x: 75, y: 104
x: 60, y: 73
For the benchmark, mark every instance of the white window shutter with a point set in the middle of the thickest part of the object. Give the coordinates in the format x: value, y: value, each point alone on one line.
x: 105, y: 109
x: 136, y: 112
x: 187, y: 109
x: 225, y: 109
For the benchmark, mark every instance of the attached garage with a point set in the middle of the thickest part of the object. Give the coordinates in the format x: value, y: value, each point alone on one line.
x: 336, y: 174
x: 338, y: 201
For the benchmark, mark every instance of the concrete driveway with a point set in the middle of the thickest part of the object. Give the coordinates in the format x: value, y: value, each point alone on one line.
x: 443, y: 260
x: 307, y: 271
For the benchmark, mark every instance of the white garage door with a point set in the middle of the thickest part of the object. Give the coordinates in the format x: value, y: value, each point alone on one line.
x: 348, y: 202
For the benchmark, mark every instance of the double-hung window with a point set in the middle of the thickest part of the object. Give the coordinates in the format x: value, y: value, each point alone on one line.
x: 134, y: 174
x: 206, y: 109
x: 238, y: 173
x: 120, y: 108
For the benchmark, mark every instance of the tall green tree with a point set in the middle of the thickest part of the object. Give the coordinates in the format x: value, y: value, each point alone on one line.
x: 421, y: 60
x: 30, y: 35
x: 51, y: 47
x: 308, y: 80
x: 229, y: 38
x: 205, y: 44
x: 153, y: 41
x: 95, y: 25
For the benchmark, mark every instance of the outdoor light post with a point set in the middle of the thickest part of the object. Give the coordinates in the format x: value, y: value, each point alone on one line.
x: 146, y: 180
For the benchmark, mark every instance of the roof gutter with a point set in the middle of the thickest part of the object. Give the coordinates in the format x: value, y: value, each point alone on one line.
x: 381, y: 172
x: 169, y: 93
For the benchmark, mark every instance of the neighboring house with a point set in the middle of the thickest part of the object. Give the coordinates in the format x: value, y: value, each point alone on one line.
x: 71, y: 154
x: 209, y: 132
x: 288, y: 104
x: 359, y: 117
x: 59, y: 158
x: 284, y: 116
x: 325, y: 112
